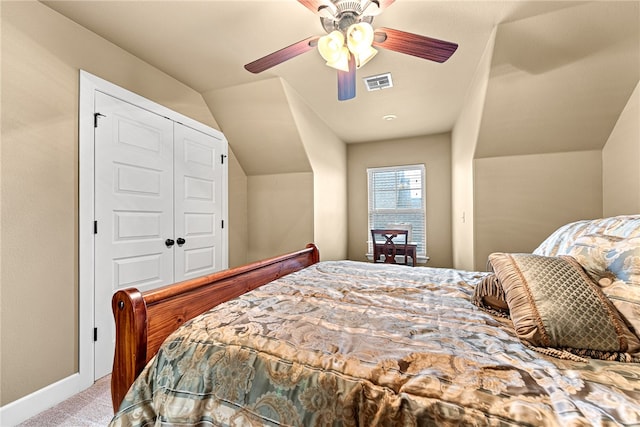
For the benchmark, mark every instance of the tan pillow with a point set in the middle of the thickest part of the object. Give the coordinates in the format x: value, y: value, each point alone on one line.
x: 553, y: 303
x: 489, y: 296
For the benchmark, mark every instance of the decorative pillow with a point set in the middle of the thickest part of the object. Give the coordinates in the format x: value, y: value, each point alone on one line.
x: 591, y: 252
x: 614, y: 262
x: 560, y: 240
x: 489, y: 296
x: 626, y: 299
x: 623, y: 260
x: 553, y: 303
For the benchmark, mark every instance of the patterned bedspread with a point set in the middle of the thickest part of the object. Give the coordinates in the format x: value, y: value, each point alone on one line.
x: 360, y: 344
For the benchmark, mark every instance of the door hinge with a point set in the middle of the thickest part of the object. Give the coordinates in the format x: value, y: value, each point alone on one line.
x: 95, y: 227
x: 95, y: 119
x: 95, y: 334
x: 222, y: 157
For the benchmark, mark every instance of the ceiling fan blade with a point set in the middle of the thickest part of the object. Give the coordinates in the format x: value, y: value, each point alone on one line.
x: 315, y: 5
x: 385, y: 3
x: 347, y: 81
x: 414, y: 44
x: 279, y: 56
x: 382, y: 5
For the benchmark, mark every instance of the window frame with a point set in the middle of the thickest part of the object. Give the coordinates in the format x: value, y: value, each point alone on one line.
x: 422, y: 239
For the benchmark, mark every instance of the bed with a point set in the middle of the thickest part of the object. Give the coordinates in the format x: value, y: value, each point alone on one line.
x: 545, y: 338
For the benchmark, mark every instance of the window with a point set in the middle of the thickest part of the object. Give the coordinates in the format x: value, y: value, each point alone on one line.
x: 397, y: 200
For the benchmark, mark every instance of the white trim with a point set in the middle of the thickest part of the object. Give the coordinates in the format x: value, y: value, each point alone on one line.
x: 89, y: 84
x: 26, y: 407
x: 85, y: 230
x: 133, y: 98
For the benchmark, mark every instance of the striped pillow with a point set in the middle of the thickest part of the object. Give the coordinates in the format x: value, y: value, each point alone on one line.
x: 489, y: 296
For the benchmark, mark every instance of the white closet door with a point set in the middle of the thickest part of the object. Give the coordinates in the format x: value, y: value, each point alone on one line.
x: 198, y: 203
x: 133, y: 209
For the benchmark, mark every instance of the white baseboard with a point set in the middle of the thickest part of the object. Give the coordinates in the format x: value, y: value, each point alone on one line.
x: 26, y: 407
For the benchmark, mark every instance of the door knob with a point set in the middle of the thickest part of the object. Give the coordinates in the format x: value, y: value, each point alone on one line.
x: 180, y: 241
x: 169, y: 242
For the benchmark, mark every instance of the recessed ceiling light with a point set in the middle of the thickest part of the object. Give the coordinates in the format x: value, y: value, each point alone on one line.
x: 389, y: 117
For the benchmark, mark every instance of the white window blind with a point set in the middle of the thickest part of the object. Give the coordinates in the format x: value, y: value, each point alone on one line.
x: 397, y: 200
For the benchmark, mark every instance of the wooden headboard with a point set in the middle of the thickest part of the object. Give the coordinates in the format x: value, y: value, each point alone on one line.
x: 145, y: 319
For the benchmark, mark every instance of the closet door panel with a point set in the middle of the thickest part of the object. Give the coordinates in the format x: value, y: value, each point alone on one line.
x: 133, y: 209
x: 198, y: 202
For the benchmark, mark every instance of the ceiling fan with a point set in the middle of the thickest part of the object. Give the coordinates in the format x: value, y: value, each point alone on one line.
x: 350, y: 39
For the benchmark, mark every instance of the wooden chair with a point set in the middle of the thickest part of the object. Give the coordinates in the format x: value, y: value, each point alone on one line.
x: 389, y: 243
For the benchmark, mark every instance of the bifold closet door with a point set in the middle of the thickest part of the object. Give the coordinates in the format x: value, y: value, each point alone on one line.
x: 134, y: 210
x: 158, y: 207
x: 198, y: 203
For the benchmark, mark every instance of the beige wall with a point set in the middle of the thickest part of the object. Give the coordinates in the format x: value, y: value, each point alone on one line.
x: 621, y: 160
x: 463, y: 144
x: 42, y: 53
x: 276, y: 136
x: 238, y: 220
x: 280, y: 213
x: 520, y: 200
x: 539, y: 150
x: 434, y: 152
x: 328, y: 157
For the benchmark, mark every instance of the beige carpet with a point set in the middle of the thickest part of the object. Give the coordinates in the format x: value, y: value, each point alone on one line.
x: 90, y: 408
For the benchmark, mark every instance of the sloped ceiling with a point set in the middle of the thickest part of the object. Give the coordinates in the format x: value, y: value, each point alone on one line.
x: 205, y: 44
x: 562, y: 70
x: 559, y: 81
x: 257, y: 120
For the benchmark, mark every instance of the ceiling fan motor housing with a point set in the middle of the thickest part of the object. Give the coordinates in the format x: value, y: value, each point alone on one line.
x: 347, y: 13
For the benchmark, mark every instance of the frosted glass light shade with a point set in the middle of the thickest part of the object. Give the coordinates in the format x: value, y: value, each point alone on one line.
x: 359, y: 40
x: 360, y: 37
x: 330, y: 46
x: 363, y: 58
x: 333, y: 50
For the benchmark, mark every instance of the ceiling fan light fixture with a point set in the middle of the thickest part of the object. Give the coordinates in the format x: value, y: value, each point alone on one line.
x: 342, y: 61
x: 330, y: 46
x: 360, y: 37
x: 333, y: 50
x: 359, y: 40
x: 363, y: 58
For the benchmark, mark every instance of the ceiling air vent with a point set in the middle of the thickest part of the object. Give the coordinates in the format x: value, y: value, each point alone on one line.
x: 381, y: 81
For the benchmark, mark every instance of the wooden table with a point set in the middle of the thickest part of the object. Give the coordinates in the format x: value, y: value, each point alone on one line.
x: 411, y: 251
